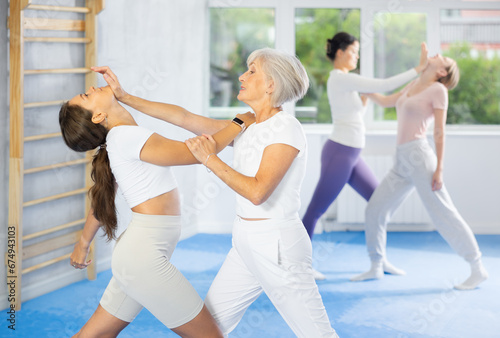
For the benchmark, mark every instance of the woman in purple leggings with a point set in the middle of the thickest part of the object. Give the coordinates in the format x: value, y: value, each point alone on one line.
x: 340, y: 159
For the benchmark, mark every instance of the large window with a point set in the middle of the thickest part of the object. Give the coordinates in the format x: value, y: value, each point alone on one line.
x: 390, y: 34
x: 472, y: 38
x: 397, y: 39
x: 312, y: 28
x: 234, y: 34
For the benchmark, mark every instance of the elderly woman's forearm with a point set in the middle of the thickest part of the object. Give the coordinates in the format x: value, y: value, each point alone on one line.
x: 245, y: 186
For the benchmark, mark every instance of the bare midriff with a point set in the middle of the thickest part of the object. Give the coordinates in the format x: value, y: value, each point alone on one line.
x: 254, y: 219
x: 165, y: 204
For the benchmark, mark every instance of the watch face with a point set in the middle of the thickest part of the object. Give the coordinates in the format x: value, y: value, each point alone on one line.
x: 237, y: 120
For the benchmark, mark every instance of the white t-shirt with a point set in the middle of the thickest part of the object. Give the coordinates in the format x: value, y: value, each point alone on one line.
x: 249, y: 147
x: 346, y: 106
x: 139, y: 181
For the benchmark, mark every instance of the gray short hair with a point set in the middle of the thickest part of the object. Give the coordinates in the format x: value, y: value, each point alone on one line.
x: 289, y: 75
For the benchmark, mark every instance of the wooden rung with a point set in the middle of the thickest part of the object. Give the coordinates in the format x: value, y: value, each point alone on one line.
x: 41, y: 137
x: 43, y: 104
x: 57, y: 40
x: 55, y: 197
x: 54, y: 24
x: 57, y: 71
x: 51, y: 244
x: 47, y: 263
x: 56, y: 166
x: 54, y: 229
x: 58, y: 8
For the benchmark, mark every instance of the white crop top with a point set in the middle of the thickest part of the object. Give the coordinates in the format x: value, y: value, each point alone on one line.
x: 249, y: 147
x: 346, y: 106
x: 139, y: 181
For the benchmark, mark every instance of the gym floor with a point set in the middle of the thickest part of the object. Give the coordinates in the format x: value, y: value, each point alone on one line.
x: 422, y: 303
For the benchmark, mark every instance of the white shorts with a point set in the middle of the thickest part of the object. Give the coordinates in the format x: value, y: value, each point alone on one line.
x: 144, y: 277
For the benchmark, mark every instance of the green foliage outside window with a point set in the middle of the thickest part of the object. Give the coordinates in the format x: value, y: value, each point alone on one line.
x: 313, y: 27
x: 234, y: 34
x: 397, y: 39
x: 476, y: 99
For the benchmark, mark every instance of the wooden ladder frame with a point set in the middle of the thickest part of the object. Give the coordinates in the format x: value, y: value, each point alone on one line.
x: 16, y: 252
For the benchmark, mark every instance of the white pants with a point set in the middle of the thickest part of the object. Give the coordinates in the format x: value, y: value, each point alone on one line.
x: 144, y: 277
x: 415, y: 164
x: 274, y: 256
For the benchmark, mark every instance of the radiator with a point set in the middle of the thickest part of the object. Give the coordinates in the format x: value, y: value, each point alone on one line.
x: 351, y: 206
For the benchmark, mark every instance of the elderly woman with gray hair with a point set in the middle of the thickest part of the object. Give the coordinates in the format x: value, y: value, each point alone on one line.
x: 271, y: 250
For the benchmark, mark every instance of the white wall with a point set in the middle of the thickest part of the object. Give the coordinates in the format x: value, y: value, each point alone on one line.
x: 156, y: 50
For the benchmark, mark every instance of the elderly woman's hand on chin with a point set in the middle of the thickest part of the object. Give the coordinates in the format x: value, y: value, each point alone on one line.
x: 202, y: 147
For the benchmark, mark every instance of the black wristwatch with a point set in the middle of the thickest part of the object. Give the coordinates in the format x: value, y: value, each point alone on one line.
x: 240, y: 123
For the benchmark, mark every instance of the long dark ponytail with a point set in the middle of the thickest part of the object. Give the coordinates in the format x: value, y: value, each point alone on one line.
x: 341, y: 41
x: 81, y: 134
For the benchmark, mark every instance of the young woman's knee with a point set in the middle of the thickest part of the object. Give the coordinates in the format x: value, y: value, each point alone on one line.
x: 201, y: 326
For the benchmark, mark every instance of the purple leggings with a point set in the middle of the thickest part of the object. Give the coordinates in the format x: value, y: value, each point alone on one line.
x: 340, y: 164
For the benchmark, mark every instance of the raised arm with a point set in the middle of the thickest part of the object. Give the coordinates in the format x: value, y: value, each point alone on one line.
x: 166, y: 152
x: 276, y: 160
x: 170, y: 113
x: 363, y: 84
x: 385, y: 101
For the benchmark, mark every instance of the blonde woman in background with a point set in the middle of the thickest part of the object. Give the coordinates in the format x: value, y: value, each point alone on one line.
x: 417, y: 166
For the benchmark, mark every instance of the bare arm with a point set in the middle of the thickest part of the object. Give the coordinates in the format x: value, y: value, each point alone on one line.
x: 78, y: 258
x: 439, y: 136
x: 276, y: 160
x: 170, y: 113
x: 166, y: 152
x: 385, y: 101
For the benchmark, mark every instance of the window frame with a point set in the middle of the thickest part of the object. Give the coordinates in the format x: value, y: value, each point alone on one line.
x: 285, y: 38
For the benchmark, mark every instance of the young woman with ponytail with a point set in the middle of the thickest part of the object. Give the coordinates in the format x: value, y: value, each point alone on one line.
x: 138, y: 162
x: 341, y: 162
x: 271, y: 251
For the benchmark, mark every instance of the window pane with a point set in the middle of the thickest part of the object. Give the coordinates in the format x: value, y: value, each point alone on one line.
x: 313, y: 27
x: 397, y: 39
x: 234, y: 34
x: 472, y: 38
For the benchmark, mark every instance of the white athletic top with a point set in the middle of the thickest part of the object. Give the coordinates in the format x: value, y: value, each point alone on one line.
x: 249, y: 147
x: 346, y: 105
x: 139, y: 181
